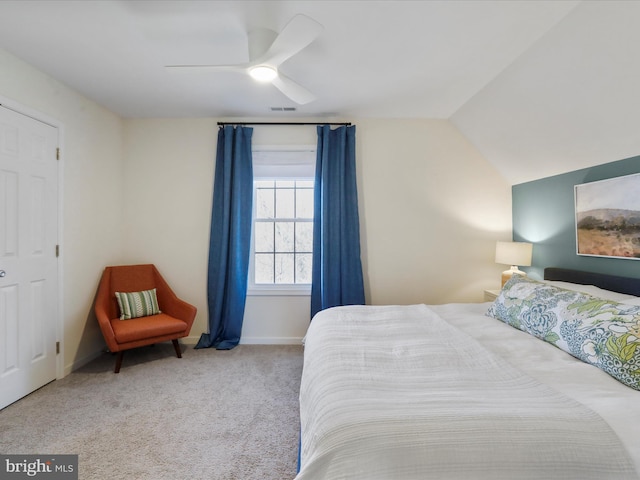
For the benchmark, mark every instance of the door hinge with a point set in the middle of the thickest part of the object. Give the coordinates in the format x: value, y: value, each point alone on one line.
x: 57, y: 348
x: 57, y: 251
x: 58, y: 153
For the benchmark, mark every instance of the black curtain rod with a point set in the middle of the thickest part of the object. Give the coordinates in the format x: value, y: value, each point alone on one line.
x: 348, y: 124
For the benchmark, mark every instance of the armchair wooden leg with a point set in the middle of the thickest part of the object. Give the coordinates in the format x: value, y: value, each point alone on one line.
x: 176, y: 345
x: 119, y: 361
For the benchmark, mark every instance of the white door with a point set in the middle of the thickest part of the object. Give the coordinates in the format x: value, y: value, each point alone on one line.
x: 28, y: 258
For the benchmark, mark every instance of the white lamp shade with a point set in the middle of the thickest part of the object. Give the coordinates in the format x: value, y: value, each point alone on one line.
x: 514, y: 253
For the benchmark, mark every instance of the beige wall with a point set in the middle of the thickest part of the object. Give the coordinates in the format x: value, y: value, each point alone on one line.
x: 168, y: 178
x: 91, y: 235
x: 431, y: 209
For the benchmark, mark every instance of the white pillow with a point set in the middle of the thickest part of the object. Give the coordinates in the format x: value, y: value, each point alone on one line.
x: 598, y: 331
x: 632, y: 301
x: 596, y: 292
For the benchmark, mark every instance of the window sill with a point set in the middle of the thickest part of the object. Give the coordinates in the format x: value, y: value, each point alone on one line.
x: 284, y: 291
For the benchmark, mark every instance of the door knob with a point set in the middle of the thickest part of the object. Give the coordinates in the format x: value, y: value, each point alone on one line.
x: 2, y: 273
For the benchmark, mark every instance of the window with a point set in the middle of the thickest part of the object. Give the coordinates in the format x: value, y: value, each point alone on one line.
x: 282, y: 244
x: 283, y: 238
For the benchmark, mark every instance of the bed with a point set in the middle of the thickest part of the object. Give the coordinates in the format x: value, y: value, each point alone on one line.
x: 448, y: 392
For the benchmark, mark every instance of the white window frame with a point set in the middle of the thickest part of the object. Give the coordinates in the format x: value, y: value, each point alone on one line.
x: 288, y: 289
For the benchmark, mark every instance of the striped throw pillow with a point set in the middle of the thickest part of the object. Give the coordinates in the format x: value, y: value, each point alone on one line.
x: 137, y: 304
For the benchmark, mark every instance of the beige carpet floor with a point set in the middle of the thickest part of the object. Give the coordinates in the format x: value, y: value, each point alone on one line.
x: 211, y: 415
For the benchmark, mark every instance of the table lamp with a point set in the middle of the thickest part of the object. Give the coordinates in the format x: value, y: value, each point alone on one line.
x: 514, y: 254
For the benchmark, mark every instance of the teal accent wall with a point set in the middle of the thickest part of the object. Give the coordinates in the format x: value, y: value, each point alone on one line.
x: 544, y: 214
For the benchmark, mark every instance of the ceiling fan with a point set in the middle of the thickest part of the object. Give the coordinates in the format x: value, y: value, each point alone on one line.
x: 265, y: 58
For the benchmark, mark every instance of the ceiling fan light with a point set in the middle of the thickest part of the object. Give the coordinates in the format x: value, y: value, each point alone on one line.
x: 263, y: 73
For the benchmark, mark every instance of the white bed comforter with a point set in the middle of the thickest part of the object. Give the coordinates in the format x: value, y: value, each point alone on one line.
x: 396, y: 392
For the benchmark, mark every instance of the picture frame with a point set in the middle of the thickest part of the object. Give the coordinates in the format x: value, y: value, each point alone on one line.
x: 608, y: 217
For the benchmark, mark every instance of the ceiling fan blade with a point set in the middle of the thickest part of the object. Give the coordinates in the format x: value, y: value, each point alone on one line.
x: 297, y: 34
x: 293, y: 90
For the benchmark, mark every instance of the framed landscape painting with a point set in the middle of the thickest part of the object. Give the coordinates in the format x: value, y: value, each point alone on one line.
x: 608, y: 217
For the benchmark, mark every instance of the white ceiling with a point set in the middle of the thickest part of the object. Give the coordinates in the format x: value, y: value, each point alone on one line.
x: 539, y: 87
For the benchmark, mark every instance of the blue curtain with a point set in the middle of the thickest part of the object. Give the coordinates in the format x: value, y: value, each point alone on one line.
x: 229, y: 242
x: 337, y: 269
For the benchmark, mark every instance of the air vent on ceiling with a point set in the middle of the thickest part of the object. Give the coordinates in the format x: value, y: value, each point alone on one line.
x: 283, y: 109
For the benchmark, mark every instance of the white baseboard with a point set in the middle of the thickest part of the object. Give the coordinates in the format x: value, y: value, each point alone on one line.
x: 81, y: 362
x: 271, y: 341
x: 191, y: 340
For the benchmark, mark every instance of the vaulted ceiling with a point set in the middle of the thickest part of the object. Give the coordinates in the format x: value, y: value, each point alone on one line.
x: 539, y: 87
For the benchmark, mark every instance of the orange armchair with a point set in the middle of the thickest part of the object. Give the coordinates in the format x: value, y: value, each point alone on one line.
x: 172, y: 323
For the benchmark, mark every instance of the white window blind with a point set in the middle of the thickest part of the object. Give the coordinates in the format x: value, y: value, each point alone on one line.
x: 281, y: 246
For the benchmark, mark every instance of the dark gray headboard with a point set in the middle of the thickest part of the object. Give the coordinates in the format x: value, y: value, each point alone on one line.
x: 626, y: 285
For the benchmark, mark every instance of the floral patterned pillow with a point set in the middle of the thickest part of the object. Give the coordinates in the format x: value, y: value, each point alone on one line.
x: 601, y: 332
